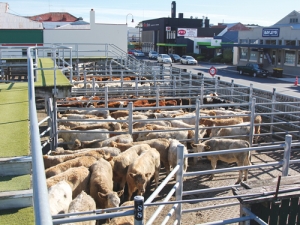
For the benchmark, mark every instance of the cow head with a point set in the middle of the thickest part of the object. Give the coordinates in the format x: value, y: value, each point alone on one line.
x: 112, y: 199
x: 140, y: 181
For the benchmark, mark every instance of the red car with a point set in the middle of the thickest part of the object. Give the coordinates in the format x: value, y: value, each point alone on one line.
x: 130, y: 52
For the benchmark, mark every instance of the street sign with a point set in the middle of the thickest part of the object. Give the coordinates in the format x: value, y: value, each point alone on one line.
x: 212, y: 71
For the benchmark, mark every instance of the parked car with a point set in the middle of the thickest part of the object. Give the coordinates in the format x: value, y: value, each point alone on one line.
x: 186, y: 59
x: 153, y: 55
x: 130, y: 52
x: 138, y: 53
x: 175, y: 57
x: 164, y: 58
x: 253, y: 69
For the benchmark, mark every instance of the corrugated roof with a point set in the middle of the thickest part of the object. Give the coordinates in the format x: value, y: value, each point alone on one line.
x: 54, y: 17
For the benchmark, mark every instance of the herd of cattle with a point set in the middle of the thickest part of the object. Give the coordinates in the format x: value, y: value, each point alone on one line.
x: 98, y: 159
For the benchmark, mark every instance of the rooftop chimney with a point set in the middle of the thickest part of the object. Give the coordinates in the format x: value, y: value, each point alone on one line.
x: 173, y: 9
x: 92, y: 17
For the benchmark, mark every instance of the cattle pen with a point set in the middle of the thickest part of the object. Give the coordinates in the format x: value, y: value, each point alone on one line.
x: 274, y: 151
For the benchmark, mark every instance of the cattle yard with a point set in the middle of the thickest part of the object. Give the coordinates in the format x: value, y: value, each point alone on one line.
x: 162, y: 95
x: 122, y: 108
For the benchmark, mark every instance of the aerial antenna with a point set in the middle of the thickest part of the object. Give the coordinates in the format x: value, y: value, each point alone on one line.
x: 49, y: 5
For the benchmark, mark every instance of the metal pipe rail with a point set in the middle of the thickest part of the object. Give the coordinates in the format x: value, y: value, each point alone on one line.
x: 40, y: 191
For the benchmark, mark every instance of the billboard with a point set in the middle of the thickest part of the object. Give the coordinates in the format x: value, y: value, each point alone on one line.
x: 187, y: 32
x: 270, y: 32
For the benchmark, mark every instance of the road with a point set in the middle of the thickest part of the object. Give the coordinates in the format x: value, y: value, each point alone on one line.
x: 228, y: 73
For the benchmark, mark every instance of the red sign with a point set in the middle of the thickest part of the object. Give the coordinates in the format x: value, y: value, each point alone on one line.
x: 212, y: 71
x: 181, y: 32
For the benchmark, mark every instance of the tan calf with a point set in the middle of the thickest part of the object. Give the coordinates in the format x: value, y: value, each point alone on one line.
x: 240, y: 158
x: 141, y: 171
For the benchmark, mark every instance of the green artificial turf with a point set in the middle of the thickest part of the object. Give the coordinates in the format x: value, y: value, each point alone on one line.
x: 15, y: 183
x: 14, y: 126
x: 46, y: 77
x: 22, y: 216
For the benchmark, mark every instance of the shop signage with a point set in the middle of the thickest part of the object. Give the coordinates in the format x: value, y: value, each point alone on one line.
x: 270, y: 32
x: 187, y: 32
x: 168, y: 28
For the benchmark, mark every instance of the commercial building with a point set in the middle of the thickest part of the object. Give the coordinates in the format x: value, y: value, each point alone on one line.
x: 175, y: 35
x: 276, y: 46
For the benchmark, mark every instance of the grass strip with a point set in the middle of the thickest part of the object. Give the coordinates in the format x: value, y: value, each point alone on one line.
x: 17, y: 216
x: 14, y: 126
x: 15, y: 183
x: 46, y: 77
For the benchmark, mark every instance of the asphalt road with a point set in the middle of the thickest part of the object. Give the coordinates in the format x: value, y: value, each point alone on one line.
x: 228, y: 73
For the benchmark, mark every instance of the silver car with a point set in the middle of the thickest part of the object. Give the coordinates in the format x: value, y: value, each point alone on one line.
x: 186, y: 59
x: 153, y: 55
x: 164, y: 58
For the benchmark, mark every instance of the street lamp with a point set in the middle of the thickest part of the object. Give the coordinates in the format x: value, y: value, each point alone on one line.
x: 132, y: 20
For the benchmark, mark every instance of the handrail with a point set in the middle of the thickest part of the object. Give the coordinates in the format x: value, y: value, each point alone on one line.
x: 40, y: 192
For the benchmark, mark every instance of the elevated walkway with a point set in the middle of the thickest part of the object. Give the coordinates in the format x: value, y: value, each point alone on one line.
x: 15, y: 153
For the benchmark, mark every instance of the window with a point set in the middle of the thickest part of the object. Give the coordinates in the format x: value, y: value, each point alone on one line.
x: 244, y: 54
x: 279, y: 57
x: 243, y: 41
x: 290, y: 58
x: 270, y: 42
x: 290, y: 42
x: 293, y: 20
x: 298, y: 62
x: 24, y: 52
x: 253, y: 56
x: 253, y: 41
x: 261, y: 42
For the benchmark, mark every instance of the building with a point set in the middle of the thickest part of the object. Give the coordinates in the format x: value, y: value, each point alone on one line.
x: 174, y: 35
x: 66, y: 30
x: 276, y: 46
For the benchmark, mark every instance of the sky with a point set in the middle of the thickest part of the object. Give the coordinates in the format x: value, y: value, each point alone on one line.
x: 261, y: 12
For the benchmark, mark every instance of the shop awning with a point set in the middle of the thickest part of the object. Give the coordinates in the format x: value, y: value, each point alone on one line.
x: 171, y: 44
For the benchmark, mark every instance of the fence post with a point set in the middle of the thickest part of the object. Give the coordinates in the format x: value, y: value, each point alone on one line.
x: 287, y: 155
x: 139, y: 210
x: 202, y: 92
x: 130, y: 110
x: 54, y: 117
x: 190, y: 83
x: 179, y: 179
x: 252, y: 115
x: 94, y: 88
x: 106, y: 97
x: 250, y: 94
x: 231, y: 90
x: 53, y: 142
x: 136, y: 87
x: 272, y: 111
x: 174, y: 85
x: 122, y: 79
x: 157, y: 96
x: 197, y: 121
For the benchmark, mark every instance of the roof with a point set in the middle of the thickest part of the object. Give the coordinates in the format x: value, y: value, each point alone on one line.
x: 54, y: 17
x: 295, y: 26
x: 75, y: 27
